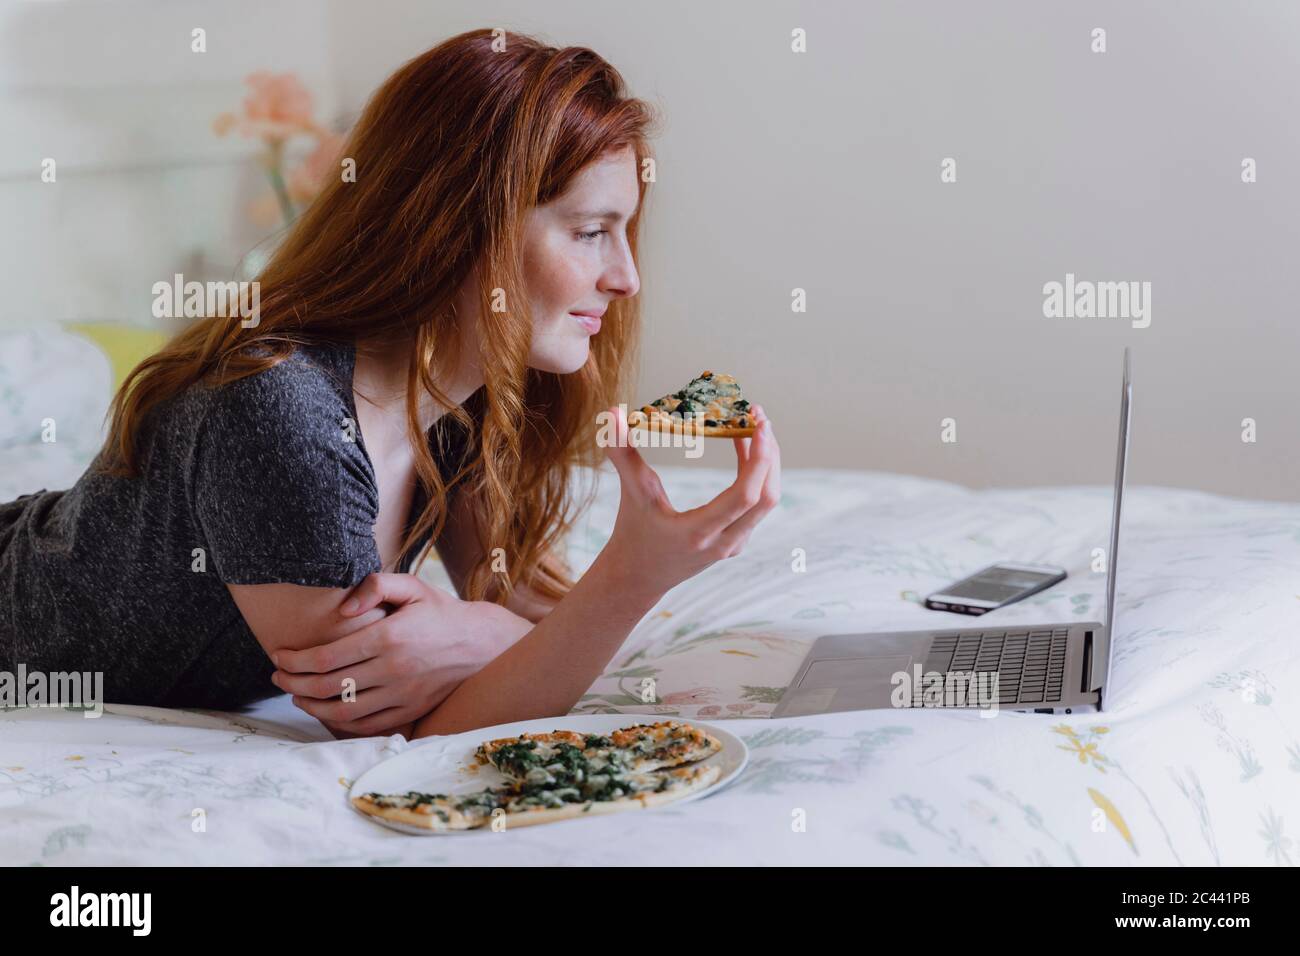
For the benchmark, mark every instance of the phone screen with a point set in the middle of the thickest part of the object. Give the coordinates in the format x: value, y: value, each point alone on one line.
x: 997, y: 584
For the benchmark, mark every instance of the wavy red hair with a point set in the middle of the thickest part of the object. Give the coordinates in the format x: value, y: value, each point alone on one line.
x: 451, y: 152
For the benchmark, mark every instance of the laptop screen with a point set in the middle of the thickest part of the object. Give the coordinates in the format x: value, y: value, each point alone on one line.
x: 1121, y: 462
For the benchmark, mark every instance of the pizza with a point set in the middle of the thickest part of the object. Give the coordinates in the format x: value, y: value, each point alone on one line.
x: 711, y: 405
x: 635, y: 749
x: 528, y: 804
x: 563, y: 774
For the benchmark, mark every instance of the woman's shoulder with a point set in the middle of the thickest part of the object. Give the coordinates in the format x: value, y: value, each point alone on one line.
x: 302, y: 398
x: 281, y: 487
x: 311, y: 372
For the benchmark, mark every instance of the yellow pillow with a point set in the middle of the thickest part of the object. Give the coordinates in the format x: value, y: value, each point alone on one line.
x: 125, y: 345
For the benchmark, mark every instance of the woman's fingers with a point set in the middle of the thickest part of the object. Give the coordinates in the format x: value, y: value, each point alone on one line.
x: 376, y: 723
x: 772, y: 485
x: 745, y: 492
x: 348, y: 712
x: 626, y: 460
x: 383, y: 588
x: 360, y: 645
x: 760, y: 416
x: 364, y: 674
x: 737, y: 533
x: 378, y: 708
x: 635, y: 475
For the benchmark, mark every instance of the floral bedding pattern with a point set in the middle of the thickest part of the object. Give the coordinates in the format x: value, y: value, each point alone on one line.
x: 1196, y: 760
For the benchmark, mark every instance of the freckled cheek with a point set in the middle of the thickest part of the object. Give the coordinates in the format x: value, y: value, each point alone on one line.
x: 564, y: 285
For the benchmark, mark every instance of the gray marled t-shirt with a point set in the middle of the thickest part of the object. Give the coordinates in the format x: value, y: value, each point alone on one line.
x: 254, y: 482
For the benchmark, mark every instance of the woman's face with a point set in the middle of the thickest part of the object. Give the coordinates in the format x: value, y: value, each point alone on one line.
x: 576, y: 259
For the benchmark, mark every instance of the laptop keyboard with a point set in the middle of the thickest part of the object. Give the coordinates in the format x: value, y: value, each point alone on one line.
x: 1030, y: 664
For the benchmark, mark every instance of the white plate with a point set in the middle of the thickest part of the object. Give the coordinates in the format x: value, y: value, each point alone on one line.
x: 443, y: 764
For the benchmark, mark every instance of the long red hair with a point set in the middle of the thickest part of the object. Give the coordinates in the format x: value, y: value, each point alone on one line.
x: 450, y: 154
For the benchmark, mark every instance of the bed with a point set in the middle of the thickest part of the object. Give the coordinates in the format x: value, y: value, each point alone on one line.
x: 1195, y: 762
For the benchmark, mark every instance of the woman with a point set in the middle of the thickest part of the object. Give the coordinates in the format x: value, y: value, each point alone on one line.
x: 423, y: 373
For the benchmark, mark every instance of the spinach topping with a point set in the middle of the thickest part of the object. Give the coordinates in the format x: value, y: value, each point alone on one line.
x: 518, y: 758
x: 701, y: 392
x: 414, y: 796
x: 595, y: 772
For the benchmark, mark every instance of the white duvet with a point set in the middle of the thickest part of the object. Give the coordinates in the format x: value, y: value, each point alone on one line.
x: 1196, y: 762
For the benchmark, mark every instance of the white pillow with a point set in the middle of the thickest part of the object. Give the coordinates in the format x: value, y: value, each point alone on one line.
x: 42, y: 466
x: 48, y: 373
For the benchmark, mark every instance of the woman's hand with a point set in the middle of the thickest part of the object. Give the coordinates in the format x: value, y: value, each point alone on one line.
x: 405, y: 664
x: 657, y: 547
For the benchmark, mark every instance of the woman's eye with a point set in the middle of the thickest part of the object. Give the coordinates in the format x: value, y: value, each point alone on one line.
x: 589, y: 236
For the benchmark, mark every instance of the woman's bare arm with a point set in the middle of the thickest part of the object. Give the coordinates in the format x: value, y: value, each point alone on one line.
x: 548, y: 669
x: 652, y: 548
x: 460, y: 550
x: 293, y: 617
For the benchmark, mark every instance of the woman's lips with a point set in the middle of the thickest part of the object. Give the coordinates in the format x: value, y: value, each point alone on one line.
x: 589, y: 322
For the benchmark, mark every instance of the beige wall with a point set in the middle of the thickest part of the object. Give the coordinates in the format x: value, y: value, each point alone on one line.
x: 779, y: 171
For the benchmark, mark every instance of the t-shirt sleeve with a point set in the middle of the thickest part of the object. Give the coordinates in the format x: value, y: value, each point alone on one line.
x: 282, y: 491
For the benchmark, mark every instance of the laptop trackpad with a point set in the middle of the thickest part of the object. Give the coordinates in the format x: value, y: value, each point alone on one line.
x: 836, y: 685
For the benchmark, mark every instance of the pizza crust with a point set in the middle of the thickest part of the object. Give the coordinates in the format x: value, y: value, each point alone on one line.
x: 651, y: 419
x: 412, y: 817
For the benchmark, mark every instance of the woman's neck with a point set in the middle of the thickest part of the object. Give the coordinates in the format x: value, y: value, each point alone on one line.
x: 379, y: 377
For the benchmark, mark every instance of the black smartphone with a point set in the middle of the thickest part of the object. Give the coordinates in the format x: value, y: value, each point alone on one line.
x: 994, y: 587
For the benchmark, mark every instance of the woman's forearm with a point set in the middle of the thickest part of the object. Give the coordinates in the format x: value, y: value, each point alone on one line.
x: 530, y: 605
x: 547, y: 670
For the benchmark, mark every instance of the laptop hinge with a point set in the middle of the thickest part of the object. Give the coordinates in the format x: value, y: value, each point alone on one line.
x: 1087, y: 662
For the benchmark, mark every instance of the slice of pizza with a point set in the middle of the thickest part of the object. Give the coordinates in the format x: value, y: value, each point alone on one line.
x: 711, y: 405
x: 525, y: 804
x: 668, y: 743
x: 563, y: 755
x: 436, y: 811
x: 608, y: 793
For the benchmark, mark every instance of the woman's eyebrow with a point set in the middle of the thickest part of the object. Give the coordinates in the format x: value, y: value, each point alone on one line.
x: 613, y: 214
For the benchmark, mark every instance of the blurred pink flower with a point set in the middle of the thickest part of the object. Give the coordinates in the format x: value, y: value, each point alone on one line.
x: 311, y: 175
x: 278, y: 107
x: 278, y: 98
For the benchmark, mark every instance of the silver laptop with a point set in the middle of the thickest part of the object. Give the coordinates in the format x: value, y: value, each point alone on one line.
x: 1043, y: 668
